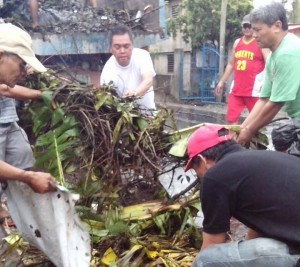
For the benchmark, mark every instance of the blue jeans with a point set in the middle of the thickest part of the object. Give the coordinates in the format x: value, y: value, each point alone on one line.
x: 258, y: 252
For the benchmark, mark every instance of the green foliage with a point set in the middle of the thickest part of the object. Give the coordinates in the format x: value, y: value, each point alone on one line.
x: 59, y: 144
x: 179, y: 139
x: 92, y: 139
x: 199, y: 20
x: 60, y: 140
x: 103, y: 148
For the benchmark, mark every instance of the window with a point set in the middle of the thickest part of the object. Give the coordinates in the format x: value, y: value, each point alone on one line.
x: 170, y: 62
x: 174, y: 11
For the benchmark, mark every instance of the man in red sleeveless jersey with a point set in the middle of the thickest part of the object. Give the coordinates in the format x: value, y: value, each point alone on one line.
x: 247, y: 63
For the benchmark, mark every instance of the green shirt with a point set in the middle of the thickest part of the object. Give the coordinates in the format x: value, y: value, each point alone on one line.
x: 282, y: 80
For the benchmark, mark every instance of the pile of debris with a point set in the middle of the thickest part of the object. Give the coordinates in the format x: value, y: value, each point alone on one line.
x: 103, y: 148
x: 69, y: 16
x: 103, y: 136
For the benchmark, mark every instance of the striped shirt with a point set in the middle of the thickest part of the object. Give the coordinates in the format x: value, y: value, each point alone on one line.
x: 8, y: 111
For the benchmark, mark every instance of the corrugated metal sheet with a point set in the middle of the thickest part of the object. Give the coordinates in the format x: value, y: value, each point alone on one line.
x: 83, y: 43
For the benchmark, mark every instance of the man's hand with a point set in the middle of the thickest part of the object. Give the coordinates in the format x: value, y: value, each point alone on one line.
x: 40, y: 182
x: 219, y: 88
x: 129, y: 93
x: 245, y: 136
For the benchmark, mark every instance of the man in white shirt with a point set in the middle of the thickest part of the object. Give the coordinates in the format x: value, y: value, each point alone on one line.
x: 130, y: 69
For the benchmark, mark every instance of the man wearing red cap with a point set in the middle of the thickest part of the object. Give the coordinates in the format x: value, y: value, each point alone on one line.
x: 259, y: 188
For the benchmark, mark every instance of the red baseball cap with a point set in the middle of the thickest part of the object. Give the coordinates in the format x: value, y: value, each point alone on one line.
x: 204, y: 138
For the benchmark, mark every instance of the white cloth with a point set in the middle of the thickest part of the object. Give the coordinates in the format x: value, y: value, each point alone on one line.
x: 129, y: 77
x: 49, y: 221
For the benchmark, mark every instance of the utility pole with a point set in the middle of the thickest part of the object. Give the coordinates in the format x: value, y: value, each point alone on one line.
x: 222, y: 41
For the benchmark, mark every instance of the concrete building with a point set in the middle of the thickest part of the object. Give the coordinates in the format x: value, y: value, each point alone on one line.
x: 186, y: 74
x: 171, y: 56
x: 182, y: 72
x: 83, y: 52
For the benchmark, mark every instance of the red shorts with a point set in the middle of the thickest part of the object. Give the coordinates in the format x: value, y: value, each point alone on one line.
x: 236, y: 105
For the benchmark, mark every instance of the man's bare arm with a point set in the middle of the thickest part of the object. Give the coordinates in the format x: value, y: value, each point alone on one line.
x: 258, y: 119
x: 40, y: 182
x: 19, y: 92
x: 146, y: 83
x: 227, y: 72
x: 258, y: 107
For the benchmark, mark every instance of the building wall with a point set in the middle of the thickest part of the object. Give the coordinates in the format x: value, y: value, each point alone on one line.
x: 169, y: 81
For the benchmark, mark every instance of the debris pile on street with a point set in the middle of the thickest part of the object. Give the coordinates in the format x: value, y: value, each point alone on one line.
x: 69, y: 17
x: 101, y: 147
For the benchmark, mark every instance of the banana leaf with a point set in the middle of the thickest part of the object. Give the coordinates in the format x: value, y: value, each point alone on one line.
x: 179, y: 139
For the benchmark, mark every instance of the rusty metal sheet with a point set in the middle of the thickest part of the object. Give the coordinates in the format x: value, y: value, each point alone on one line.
x: 82, y: 43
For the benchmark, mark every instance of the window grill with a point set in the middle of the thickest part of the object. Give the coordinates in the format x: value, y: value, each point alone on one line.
x: 174, y: 11
x: 170, y: 62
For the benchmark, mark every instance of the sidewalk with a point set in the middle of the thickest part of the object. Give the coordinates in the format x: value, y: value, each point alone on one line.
x: 187, y: 115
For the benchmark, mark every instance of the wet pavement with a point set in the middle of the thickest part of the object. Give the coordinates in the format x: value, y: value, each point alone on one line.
x: 187, y: 115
